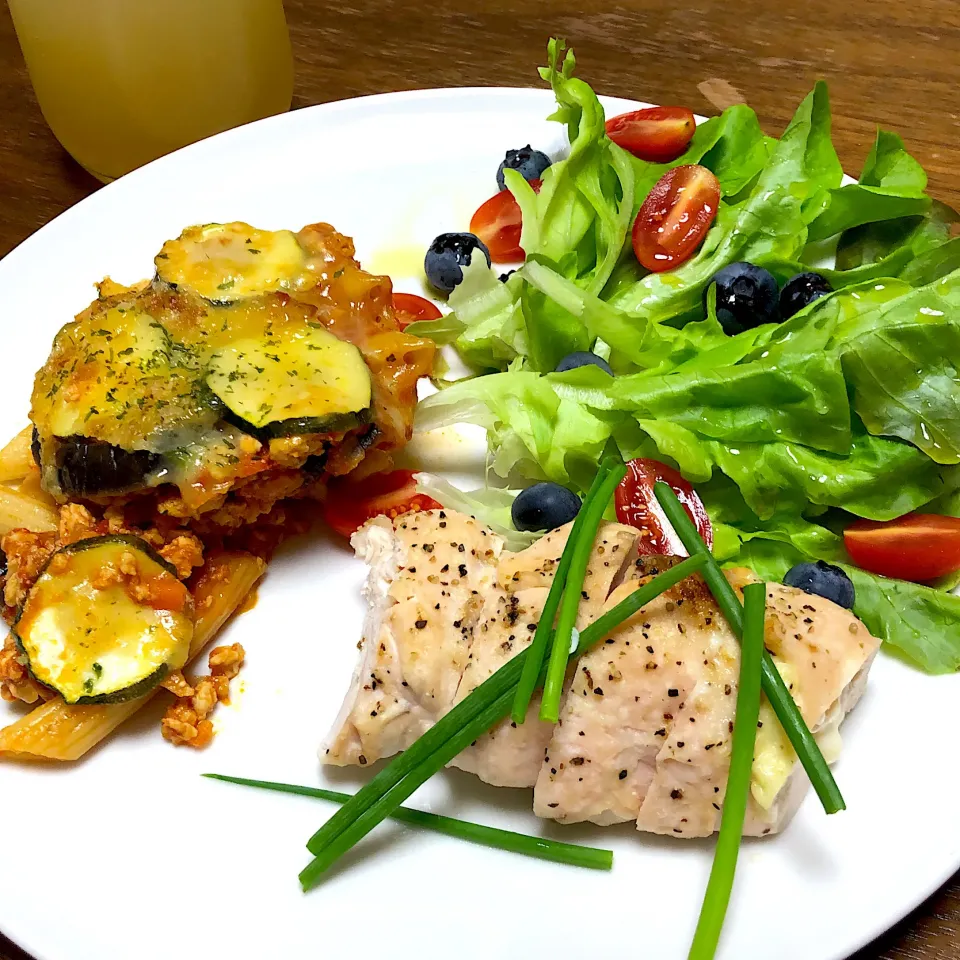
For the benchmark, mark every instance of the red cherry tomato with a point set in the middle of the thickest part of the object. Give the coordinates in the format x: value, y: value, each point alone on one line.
x: 919, y: 546
x: 657, y: 134
x: 497, y: 223
x: 351, y: 503
x: 675, y: 216
x: 637, y: 506
x: 409, y: 308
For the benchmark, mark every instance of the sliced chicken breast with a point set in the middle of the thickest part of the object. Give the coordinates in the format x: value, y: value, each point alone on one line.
x: 429, y: 573
x: 510, y: 755
x: 645, y: 731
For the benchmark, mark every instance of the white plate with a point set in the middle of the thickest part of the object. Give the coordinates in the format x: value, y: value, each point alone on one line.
x: 130, y: 854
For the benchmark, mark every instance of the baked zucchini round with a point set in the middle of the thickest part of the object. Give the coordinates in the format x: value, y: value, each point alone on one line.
x: 305, y: 381
x: 224, y: 262
x: 106, y: 620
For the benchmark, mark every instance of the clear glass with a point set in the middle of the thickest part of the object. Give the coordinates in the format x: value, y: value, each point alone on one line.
x: 122, y: 82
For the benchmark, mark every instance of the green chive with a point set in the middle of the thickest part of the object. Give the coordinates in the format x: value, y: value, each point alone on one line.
x: 580, y: 550
x: 572, y: 854
x: 783, y: 704
x: 537, y: 650
x: 717, y: 895
x: 454, y: 732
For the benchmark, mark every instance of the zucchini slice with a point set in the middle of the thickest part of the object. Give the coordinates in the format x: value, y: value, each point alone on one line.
x: 224, y: 262
x: 300, y: 381
x: 106, y: 620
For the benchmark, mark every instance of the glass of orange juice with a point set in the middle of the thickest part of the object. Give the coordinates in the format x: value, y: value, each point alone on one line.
x: 124, y: 81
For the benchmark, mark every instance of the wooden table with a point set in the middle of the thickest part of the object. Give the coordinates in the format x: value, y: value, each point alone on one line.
x: 887, y: 62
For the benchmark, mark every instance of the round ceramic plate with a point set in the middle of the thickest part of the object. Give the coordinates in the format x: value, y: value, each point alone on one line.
x: 130, y: 853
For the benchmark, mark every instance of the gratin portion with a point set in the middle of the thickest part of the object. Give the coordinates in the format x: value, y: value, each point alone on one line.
x: 255, y: 365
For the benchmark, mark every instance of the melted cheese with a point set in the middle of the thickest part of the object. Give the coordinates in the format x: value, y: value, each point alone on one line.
x: 87, y: 640
x: 310, y: 375
x: 132, y: 370
x: 773, y: 754
x: 231, y: 261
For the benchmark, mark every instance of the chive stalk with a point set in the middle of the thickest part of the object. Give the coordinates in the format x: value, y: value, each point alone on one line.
x: 537, y: 650
x: 455, y: 731
x: 542, y: 848
x: 719, y: 886
x: 776, y: 690
x: 580, y: 550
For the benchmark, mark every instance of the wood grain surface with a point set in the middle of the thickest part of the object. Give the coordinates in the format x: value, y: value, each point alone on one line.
x: 887, y: 62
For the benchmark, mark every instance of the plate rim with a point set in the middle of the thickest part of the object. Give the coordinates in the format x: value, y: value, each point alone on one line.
x: 364, y: 102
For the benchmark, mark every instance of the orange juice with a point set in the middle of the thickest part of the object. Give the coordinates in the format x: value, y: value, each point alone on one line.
x: 124, y: 81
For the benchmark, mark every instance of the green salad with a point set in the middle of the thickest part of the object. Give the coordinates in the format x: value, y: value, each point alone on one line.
x: 791, y: 430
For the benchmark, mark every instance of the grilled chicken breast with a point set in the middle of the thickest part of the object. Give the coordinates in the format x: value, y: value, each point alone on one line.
x: 428, y: 575
x: 646, y: 721
x: 645, y: 730
x: 510, y: 755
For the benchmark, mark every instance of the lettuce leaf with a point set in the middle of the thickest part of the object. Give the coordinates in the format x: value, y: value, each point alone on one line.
x: 532, y: 431
x: 732, y: 146
x: 790, y: 191
x: 490, y: 505
x: 891, y: 186
x: 782, y: 477
x: 800, y: 399
x: 486, y: 322
x: 898, y: 347
x: 580, y: 218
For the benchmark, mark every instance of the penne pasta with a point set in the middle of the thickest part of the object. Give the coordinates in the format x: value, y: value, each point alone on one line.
x: 31, y: 487
x: 20, y: 511
x: 16, y: 458
x: 60, y: 731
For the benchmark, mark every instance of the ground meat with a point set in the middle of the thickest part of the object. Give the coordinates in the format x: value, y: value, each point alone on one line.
x: 78, y: 523
x: 293, y: 451
x: 184, y: 551
x: 226, y: 661
x: 26, y: 554
x: 15, y: 681
x: 186, y: 722
x: 177, y: 684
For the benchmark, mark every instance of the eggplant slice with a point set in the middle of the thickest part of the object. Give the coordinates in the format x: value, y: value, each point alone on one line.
x: 88, y: 467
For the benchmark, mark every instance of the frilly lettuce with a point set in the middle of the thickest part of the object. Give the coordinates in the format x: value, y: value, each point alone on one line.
x: 891, y: 186
x: 490, y: 505
x: 850, y: 408
x: 791, y: 190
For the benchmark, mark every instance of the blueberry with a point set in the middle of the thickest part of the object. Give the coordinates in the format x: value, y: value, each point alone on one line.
x: 800, y: 290
x: 529, y: 163
x: 583, y: 358
x: 448, y: 255
x: 822, y: 580
x: 544, y: 506
x: 746, y: 297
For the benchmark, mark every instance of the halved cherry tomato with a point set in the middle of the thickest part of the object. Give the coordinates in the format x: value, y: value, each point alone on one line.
x: 410, y: 308
x: 637, y: 506
x: 919, y: 546
x: 675, y: 216
x: 498, y: 224
x: 657, y: 134
x: 351, y: 503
